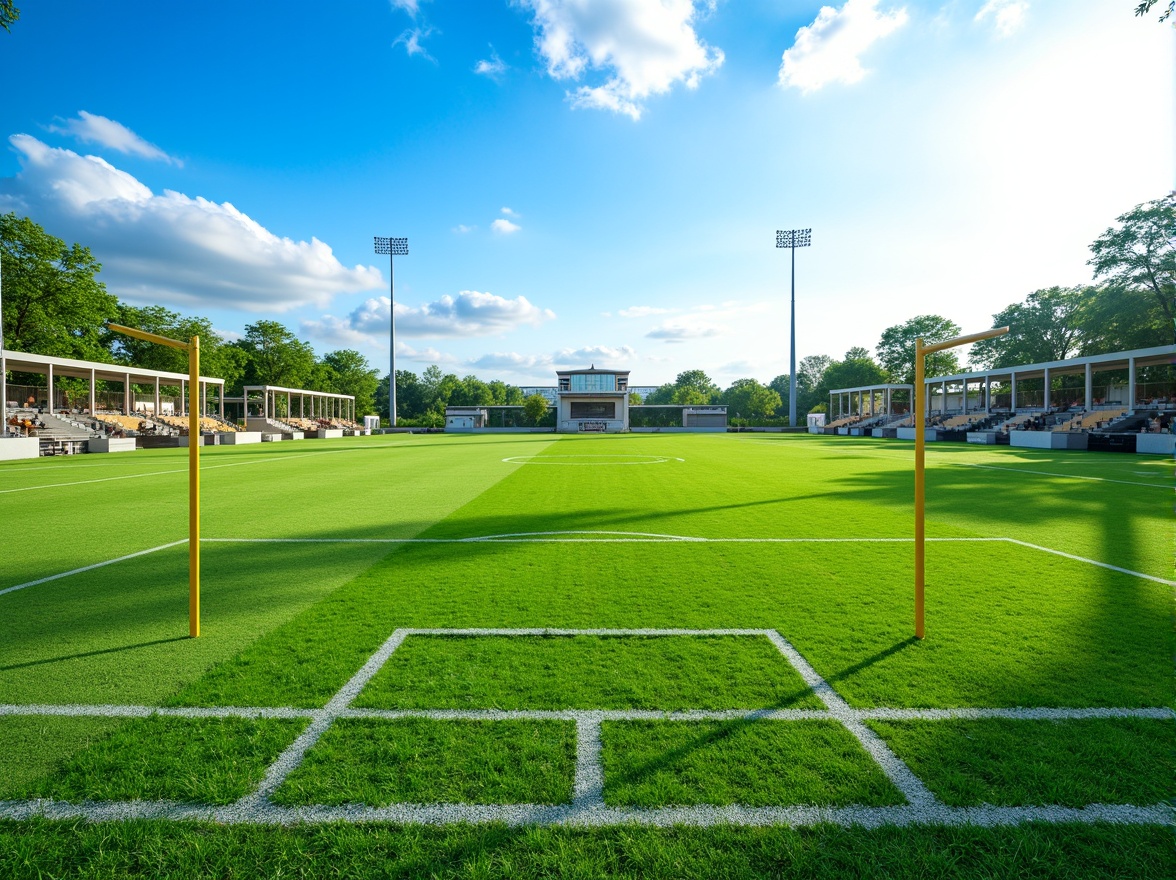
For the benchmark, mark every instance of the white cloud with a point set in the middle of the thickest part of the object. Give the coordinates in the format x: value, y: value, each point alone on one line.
x: 643, y: 48
x: 170, y: 248
x: 462, y: 229
x: 423, y: 355
x: 681, y: 330
x: 470, y: 313
x: 643, y: 311
x: 532, y: 364
x: 504, y: 226
x: 493, y: 68
x: 510, y: 212
x: 829, y: 49
x: 89, y: 128
x: 412, y: 7
x: 411, y: 40
x: 1007, y: 15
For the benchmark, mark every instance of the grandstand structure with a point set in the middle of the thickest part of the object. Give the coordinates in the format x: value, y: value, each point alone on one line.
x: 275, y: 408
x: 1104, y: 401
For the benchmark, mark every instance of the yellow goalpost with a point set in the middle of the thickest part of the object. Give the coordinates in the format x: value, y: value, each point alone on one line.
x: 193, y: 349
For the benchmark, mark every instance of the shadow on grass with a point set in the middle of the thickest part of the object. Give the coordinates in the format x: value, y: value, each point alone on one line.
x: 95, y: 653
x: 870, y: 661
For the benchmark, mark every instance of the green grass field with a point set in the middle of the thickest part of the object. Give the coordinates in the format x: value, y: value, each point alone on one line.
x: 639, y: 655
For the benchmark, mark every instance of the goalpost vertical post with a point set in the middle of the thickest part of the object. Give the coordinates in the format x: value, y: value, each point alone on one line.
x: 919, y: 419
x: 194, y: 408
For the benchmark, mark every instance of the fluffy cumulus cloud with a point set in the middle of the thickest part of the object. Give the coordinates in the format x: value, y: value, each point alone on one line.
x: 169, y: 248
x: 505, y: 226
x: 90, y: 128
x: 1007, y: 16
x: 642, y: 49
x: 470, y: 313
x: 829, y: 50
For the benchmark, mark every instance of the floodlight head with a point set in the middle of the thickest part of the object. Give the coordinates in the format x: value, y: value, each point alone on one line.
x: 793, y: 238
x: 397, y: 247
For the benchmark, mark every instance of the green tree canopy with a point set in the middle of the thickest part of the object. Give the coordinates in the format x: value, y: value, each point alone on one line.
x: 747, y: 398
x: 8, y: 14
x: 53, y: 303
x: 276, y: 356
x: 896, y: 349
x: 694, y: 387
x: 352, y: 374
x: 856, y: 370
x: 1047, y: 326
x: 535, y: 408
x: 217, y: 358
x: 1140, y: 255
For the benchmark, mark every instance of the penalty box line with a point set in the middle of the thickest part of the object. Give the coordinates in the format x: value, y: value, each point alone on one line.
x: 564, y: 537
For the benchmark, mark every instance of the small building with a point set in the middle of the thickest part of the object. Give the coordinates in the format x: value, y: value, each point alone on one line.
x: 592, y: 400
x: 465, y: 418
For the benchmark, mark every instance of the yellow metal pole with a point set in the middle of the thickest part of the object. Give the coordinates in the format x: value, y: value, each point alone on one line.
x: 194, y: 437
x: 193, y: 349
x: 918, y: 419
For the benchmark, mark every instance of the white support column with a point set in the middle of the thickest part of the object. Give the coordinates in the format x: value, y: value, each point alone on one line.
x: 50, y: 389
x: 1045, y: 391
x: 988, y: 394
x: 128, y: 395
x: 93, y: 391
x: 1089, y: 389
x: 156, y: 411
x: 1130, y: 382
x: 220, y: 400
x: 943, y: 402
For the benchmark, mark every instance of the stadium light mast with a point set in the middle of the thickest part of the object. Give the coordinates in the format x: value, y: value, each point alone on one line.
x: 792, y: 239
x: 393, y: 247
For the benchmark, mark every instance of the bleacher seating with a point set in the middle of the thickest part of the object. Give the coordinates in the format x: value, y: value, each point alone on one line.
x: 1092, y: 420
x: 208, y: 425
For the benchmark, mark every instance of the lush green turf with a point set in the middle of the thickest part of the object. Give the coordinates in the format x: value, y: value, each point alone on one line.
x: 587, y: 672
x: 203, y: 760
x: 754, y: 763
x: 420, y: 760
x: 169, y: 852
x: 289, y: 624
x: 1020, y: 763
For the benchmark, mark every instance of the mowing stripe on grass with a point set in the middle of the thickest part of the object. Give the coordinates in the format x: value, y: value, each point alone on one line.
x: 54, y: 577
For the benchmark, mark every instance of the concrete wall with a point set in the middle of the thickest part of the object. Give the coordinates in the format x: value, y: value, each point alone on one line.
x: 1047, y: 440
x: 12, y: 448
x: 111, y: 444
x: 240, y: 437
x: 1156, y: 444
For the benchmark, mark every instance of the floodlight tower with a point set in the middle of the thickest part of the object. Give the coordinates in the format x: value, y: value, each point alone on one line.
x: 393, y: 247
x: 792, y: 239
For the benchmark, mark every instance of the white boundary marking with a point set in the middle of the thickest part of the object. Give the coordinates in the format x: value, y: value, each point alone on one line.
x: 588, y: 807
x: 585, y: 537
x: 539, y: 458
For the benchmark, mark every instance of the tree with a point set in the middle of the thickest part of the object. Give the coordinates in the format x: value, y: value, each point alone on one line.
x: 276, y: 356
x: 1047, y: 326
x: 8, y: 14
x: 811, y: 389
x: 694, y: 387
x: 896, y: 349
x: 663, y: 396
x: 535, y: 408
x: 856, y: 370
x: 53, y: 303
x: 1140, y: 254
x: 634, y: 399
x: 747, y: 398
x: 1145, y: 7
x: 217, y: 358
x: 353, y: 375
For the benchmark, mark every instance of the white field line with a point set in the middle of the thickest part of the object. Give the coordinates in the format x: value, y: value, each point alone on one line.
x: 552, y: 538
x: 54, y: 577
x: 292, y: 757
x: 587, y: 807
x: 575, y: 816
x: 896, y: 770
x: 1042, y: 713
x: 203, y: 467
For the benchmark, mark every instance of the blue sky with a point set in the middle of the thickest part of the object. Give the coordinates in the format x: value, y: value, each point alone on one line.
x: 585, y: 180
